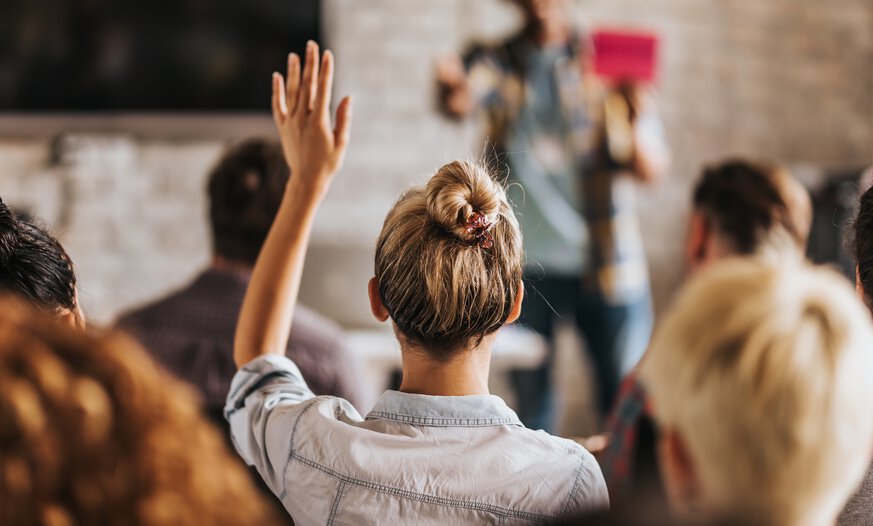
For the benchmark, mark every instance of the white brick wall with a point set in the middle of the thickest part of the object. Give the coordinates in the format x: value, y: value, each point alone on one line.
x: 786, y: 79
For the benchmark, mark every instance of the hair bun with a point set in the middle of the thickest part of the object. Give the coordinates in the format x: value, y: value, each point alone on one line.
x: 459, y: 189
x: 9, y: 228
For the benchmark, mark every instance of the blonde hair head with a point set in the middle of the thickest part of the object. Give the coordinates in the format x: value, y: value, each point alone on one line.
x: 763, y: 371
x: 441, y: 287
x: 92, y: 432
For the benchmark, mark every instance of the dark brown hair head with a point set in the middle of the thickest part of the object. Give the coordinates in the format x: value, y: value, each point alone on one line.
x: 34, y: 265
x: 747, y: 201
x: 245, y: 190
x: 863, y: 245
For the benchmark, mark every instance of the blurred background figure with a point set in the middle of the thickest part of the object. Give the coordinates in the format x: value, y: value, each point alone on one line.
x: 859, y: 510
x: 191, y: 331
x: 92, y: 432
x: 551, y: 123
x: 759, y: 380
x: 35, y: 267
x: 739, y: 208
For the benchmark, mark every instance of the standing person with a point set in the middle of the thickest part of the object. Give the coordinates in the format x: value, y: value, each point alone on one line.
x: 448, y: 274
x: 191, y: 331
x: 546, y: 115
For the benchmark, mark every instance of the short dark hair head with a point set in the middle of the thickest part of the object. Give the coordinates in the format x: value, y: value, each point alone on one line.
x: 863, y: 245
x: 34, y: 265
x: 245, y: 190
x: 746, y: 201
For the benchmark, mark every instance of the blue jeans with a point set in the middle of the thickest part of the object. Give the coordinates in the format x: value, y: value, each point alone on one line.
x: 615, y: 335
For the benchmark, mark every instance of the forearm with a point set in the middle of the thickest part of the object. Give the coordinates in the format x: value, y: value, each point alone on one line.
x: 651, y: 159
x: 650, y: 166
x: 314, y: 152
x: 265, y: 318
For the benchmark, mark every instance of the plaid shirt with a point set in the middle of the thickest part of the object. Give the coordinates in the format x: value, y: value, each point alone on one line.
x: 617, y: 460
x: 617, y: 264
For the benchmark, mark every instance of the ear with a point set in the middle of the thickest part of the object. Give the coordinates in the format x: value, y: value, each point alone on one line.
x: 376, y: 306
x: 678, y: 473
x: 73, y: 318
x: 698, y: 240
x: 859, y: 289
x: 516, y: 305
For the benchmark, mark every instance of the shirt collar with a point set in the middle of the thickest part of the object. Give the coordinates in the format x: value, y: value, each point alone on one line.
x: 444, y: 411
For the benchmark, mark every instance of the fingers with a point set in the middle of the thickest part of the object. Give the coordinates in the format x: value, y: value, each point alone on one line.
x: 310, y: 78
x: 293, y: 84
x: 325, y: 86
x: 280, y: 110
x: 343, y: 125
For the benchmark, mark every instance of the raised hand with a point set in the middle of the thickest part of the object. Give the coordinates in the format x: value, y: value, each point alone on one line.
x: 314, y: 151
x: 301, y: 109
x: 453, y: 91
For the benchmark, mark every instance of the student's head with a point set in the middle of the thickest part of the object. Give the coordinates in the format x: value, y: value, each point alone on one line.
x: 35, y: 267
x: 92, y: 432
x: 742, y: 208
x: 445, y: 288
x: 245, y: 189
x: 760, y: 383
x: 863, y: 248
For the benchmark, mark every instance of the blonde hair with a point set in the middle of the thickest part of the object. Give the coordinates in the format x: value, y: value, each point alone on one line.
x: 440, y: 287
x: 763, y: 371
x: 92, y: 432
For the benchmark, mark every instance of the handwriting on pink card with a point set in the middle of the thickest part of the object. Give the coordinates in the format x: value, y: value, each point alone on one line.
x: 625, y: 56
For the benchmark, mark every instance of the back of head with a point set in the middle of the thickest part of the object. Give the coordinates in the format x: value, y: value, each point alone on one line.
x: 245, y: 190
x: 763, y: 371
x: 863, y: 245
x: 445, y: 280
x: 92, y: 432
x: 754, y: 205
x: 33, y: 265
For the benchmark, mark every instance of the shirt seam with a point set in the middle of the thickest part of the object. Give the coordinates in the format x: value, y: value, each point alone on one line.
x: 577, y: 484
x: 421, y: 497
x: 444, y: 422
x: 335, y: 507
x: 309, y: 405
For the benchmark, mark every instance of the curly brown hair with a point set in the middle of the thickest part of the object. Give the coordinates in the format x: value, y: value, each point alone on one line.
x: 93, y: 432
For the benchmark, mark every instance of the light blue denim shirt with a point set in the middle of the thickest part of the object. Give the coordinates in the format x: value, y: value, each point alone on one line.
x: 415, y: 459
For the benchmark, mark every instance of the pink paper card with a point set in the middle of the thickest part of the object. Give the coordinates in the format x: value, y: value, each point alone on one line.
x: 625, y: 56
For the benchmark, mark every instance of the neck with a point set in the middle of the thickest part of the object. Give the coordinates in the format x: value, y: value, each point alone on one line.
x: 549, y: 32
x: 229, y: 265
x: 465, y: 373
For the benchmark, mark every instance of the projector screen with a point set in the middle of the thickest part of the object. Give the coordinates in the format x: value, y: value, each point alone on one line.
x: 101, y: 56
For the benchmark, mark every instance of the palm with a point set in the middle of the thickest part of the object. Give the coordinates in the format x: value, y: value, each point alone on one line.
x: 301, y: 109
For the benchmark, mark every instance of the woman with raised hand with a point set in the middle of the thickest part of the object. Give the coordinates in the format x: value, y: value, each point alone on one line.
x: 448, y: 271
